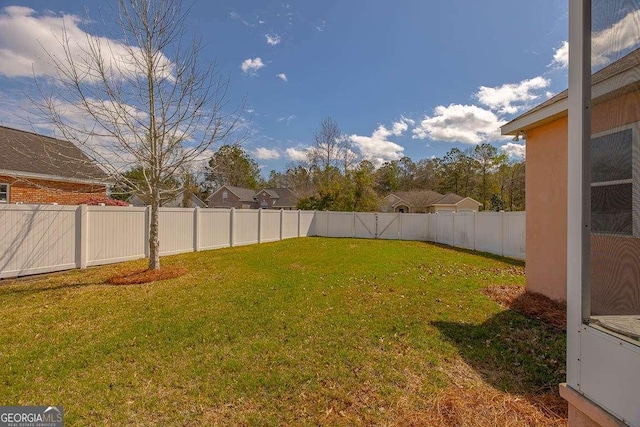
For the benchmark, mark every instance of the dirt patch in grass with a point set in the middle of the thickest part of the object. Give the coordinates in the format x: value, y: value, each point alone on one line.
x: 146, y: 276
x: 532, y: 304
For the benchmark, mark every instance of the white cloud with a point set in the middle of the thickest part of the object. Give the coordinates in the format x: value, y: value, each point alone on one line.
x: 263, y: 153
x: 273, y: 39
x: 512, y: 97
x: 408, y: 121
x: 398, y: 128
x: 297, y: 155
x: 236, y: 17
x: 561, y: 56
x: 283, y: 77
x: 287, y: 119
x: 468, y: 124
x: 27, y: 39
x: 517, y: 151
x: 251, y: 66
x: 377, y: 148
x: 322, y: 26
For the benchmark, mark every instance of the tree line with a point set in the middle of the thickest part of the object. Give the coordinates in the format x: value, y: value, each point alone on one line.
x: 333, y: 177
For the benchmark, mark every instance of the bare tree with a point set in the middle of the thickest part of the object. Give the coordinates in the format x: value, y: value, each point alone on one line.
x: 144, y: 102
x: 326, y: 152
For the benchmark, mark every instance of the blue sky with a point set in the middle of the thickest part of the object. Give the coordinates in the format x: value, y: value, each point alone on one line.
x: 411, y: 78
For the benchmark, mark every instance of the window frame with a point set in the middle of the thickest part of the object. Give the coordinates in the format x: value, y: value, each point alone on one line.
x: 225, y: 195
x: 8, y: 192
x: 634, y: 180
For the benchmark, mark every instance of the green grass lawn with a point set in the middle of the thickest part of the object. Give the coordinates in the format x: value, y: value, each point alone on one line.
x: 299, y: 332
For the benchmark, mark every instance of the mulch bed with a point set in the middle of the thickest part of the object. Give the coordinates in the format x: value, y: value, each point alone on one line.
x: 531, y: 304
x: 146, y: 276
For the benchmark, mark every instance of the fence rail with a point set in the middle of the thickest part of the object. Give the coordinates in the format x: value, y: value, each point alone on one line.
x: 44, y: 238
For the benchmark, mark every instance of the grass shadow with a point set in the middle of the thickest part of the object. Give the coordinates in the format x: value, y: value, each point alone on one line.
x: 504, y: 259
x: 511, y: 351
x: 26, y: 288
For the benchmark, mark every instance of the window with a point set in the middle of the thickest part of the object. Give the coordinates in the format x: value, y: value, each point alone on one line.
x: 225, y: 195
x: 612, y: 181
x: 4, y: 193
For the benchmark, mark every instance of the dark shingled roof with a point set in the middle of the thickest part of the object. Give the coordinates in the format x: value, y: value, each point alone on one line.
x: 449, y: 199
x: 623, y: 64
x: 28, y: 153
x: 419, y: 198
x: 285, y: 197
x: 245, y: 194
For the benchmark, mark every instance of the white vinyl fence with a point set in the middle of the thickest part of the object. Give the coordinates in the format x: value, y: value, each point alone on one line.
x: 500, y: 233
x: 44, y: 238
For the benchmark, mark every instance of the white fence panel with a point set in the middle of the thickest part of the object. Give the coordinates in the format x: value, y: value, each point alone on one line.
x: 36, y: 239
x: 290, y: 224
x: 514, y: 234
x: 270, y: 230
x: 488, y: 232
x: 445, y: 224
x: 340, y: 224
x: 414, y: 227
x: 321, y: 224
x: 214, y: 230
x: 464, y: 233
x: 176, y: 230
x: 245, y: 227
x: 307, y: 223
x: 365, y: 225
x: 389, y: 226
x: 432, y: 228
x: 115, y: 234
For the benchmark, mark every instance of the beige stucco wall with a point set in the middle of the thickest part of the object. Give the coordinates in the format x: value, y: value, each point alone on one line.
x: 443, y: 208
x: 467, y: 205
x: 546, y: 193
x: 386, y: 204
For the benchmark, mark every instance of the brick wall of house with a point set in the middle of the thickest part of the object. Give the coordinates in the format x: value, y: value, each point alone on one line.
x: 36, y: 191
x: 232, y: 201
x: 264, y: 197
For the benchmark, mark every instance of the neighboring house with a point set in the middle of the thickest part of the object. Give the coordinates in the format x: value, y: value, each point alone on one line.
x: 427, y: 201
x: 38, y: 169
x: 180, y: 200
x: 276, y: 198
x: 244, y: 198
x: 232, y: 197
x: 615, y: 220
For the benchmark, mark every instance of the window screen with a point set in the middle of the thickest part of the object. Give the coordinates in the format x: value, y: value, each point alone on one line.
x: 613, y: 166
x: 612, y: 183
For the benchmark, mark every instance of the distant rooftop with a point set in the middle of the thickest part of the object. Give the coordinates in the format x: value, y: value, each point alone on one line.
x: 28, y: 153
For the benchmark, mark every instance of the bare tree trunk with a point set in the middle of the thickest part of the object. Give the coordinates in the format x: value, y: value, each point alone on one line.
x: 154, y: 241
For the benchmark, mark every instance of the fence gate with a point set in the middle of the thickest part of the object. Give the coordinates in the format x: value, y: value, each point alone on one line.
x: 376, y: 226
